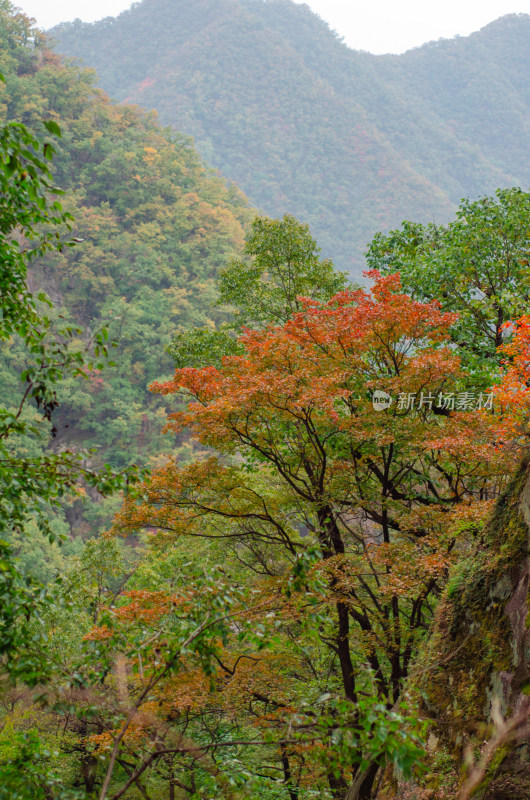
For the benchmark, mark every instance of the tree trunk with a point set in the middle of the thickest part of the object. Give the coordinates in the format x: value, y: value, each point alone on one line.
x: 89, y: 771
x: 363, y: 784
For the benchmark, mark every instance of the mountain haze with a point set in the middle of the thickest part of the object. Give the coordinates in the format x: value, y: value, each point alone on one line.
x: 348, y: 141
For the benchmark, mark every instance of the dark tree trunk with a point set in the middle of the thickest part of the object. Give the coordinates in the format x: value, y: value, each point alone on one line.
x: 363, y: 784
x: 89, y: 771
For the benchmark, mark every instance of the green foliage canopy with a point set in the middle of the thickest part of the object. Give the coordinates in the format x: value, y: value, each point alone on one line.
x: 266, y: 289
x: 477, y: 265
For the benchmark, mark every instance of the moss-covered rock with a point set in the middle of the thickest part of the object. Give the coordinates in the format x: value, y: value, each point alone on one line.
x: 479, y: 651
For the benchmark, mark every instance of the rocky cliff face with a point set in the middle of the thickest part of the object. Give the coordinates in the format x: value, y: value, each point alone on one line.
x: 476, y: 668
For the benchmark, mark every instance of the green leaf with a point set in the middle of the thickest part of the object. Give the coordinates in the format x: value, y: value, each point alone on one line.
x: 52, y: 127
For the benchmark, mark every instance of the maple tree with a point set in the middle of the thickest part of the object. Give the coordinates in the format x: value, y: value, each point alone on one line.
x: 514, y: 388
x: 259, y: 643
x: 254, y: 634
x: 308, y: 479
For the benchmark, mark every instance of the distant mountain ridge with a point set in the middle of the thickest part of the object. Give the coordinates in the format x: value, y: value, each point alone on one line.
x: 350, y: 142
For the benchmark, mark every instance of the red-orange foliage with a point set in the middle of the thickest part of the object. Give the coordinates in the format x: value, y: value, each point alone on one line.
x: 514, y: 390
x: 304, y: 460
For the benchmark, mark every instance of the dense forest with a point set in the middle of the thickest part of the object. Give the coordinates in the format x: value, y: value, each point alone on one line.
x: 264, y: 533
x: 153, y: 227
x: 349, y: 142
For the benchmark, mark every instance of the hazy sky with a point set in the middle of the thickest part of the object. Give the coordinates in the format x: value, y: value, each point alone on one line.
x: 380, y: 26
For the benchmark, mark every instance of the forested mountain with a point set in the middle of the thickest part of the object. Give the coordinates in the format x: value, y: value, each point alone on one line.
x: 349, y: 142
x: 319, y: 588
x: 152, y: 227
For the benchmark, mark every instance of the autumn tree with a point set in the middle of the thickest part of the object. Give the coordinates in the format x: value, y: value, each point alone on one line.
x: 313, y: 476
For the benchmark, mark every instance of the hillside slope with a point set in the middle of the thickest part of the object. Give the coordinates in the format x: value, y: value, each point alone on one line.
x: 153, y: 227
x: 350, y: 142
